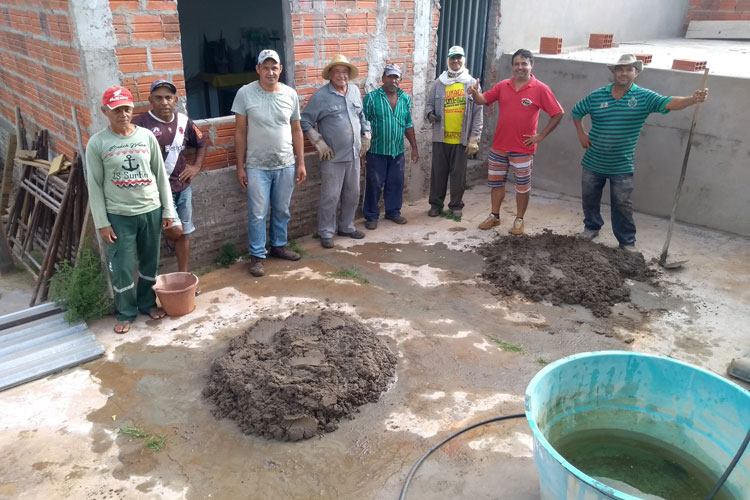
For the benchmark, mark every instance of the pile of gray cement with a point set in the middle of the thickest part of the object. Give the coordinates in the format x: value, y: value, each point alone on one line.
x: 563, y: 270
x: 302, y: 379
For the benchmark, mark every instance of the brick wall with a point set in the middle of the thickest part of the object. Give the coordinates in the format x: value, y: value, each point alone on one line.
x: 718, y: 10
x: 40, y: 71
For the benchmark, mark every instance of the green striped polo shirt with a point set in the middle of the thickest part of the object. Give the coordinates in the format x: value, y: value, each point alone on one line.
x: 388, y: 124
x: 616, y: 125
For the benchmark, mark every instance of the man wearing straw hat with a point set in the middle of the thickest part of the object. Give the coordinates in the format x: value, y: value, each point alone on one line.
x: 343, y: 136
x: 618, y: 112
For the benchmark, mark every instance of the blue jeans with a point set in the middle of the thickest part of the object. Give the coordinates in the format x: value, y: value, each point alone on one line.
x: 620, y: 191
x: 385, y: 174
x: 268, y: 188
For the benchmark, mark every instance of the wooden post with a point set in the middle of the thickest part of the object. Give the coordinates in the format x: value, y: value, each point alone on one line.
x: 6, y: 259
x: 8, y: 174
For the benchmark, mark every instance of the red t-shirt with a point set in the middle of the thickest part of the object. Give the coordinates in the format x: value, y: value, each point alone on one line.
x: 165, y: 133
x: 519, y: 112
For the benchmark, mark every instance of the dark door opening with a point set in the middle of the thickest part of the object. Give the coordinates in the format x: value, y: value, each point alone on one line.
x: 221, y: 41
x: 464, y: 23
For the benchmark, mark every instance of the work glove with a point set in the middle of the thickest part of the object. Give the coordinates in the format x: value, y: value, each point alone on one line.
x: 324, y: 150
x: 432, y: 117
x: 473, y: 147
x: 366, y: 140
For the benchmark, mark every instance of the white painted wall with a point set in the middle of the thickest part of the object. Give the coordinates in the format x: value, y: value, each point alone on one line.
x: 523, y: 23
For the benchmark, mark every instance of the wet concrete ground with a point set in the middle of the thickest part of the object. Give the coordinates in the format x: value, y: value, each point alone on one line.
x: 459, y: 362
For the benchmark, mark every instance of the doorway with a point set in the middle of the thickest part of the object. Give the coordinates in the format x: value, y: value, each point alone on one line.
x: 464, y: 23
x: 221, y: 41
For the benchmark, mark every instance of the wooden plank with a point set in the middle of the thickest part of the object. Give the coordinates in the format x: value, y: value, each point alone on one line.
x: 6, y: 259
x: 7, y: 175
x: 26, y: 154
x: 56, y: 165
x: 736, y: 30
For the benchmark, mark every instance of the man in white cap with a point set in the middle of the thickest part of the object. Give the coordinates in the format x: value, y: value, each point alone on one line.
x: 456, y: 126
x: 131, y: 203
x: 388, y: 109
x: 618, y: 112
x: 343, y: 136
x: 174, y: 132
x: 267, y: 139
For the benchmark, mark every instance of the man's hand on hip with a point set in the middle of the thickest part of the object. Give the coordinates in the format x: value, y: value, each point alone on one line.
x: 108, y: 234
x: 583, y: 138
x: 532, y: 139
x: 242, y: 177
x: 189, y: 173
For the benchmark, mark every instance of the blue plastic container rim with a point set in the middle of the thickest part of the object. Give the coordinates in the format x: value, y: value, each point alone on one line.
x: 539, y: 436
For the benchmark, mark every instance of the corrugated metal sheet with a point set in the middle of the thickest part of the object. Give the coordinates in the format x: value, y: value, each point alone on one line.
x: 38, y: 341
x: 464, y: 23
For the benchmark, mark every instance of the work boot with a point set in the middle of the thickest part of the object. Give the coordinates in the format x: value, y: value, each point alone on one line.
x: 326, y: 242
x: 283, y: 253
x: 629, y: 248
x: 457, y: 212
x: 517, y: 228
x: 371, y: 224
x: 398, y: 219
x: 490, y: 222
x: 588, y: 234
x: 434, y: 211
x: 256, y: 266
x: 357, y: 235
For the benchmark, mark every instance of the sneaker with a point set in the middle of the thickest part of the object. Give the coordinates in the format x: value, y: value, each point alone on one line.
x: 490, y: 222
x: 256, y: 266
x: 434, y: 211
x: 629, y: 248
x: 371, y: 224
x: 517, y: 228
x: 399, y: 219
x: 326, y: 242
x: 457, y: 212
x: 283, y: 253
x: 357, y: 235
x: 588, y: 234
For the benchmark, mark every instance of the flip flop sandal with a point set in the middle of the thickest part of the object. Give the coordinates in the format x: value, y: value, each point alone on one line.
x: 198, y: 291
x: 170, y: 249
x: 124, y: 327
x: 156, y: 313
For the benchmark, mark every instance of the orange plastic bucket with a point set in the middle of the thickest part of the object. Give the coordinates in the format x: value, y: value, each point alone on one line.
x: 176, y: 292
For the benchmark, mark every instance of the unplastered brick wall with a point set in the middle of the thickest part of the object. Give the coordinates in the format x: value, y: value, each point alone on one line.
x: 718, y: 10
x: 148, y: 45
x: 40, y: 71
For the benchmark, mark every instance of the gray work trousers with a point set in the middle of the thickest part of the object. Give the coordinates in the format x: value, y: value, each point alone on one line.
x: 448, y: 164
x: 339, y: 182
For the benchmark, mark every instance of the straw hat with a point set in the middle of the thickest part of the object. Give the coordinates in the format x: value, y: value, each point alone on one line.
x: 341, y: 60
x: 627, y: 60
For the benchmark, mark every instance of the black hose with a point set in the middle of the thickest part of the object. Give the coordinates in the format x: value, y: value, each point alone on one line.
x: 441, y: 443
x: 731, y: 467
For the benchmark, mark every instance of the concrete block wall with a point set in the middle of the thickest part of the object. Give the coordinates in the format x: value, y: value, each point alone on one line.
x: 41, y: 71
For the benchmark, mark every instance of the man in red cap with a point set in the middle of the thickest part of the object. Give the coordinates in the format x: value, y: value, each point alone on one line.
x: 174, y: 132
x: 130, y: 202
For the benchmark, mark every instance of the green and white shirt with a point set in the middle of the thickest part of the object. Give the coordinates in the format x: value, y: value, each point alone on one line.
x: 126, y: 176
x: 616, y: 125
x: 388, y: 124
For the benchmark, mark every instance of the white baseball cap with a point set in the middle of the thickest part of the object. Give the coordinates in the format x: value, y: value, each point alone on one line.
x: 268, y: 54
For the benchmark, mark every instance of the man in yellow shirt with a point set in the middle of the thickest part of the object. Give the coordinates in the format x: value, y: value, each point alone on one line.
x: 456, y: 126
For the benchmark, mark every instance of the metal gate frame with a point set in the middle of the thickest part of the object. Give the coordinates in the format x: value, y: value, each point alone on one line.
x: 464, y: 23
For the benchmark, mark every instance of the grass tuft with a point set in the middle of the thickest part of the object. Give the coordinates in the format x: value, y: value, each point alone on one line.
x: 228, y: 255
x: 505, y: 346
x: 153, y: 442
x: 351, y: 274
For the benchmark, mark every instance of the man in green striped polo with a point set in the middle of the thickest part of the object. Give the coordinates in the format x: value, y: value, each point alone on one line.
x: 618, y: 112
x: 388, y: 109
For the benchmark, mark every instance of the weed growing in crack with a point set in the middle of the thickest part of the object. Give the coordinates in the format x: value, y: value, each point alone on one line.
x: 351, y: 274
x: 153, y: 442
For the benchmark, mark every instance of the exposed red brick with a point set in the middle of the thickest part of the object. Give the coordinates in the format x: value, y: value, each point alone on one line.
x: 167, y: 58
x: 335, y: 23
x: 304, y: 49
x: 161, y: 5
x: 646, y: 58
x: 132, y: 60
x: 147, y: 28
x: 550, y: 45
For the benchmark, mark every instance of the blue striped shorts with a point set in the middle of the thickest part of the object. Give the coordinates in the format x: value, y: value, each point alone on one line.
x: 497, y: 169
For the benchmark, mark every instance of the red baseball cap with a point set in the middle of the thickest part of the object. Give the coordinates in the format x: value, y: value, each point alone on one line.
x: 117, y: 96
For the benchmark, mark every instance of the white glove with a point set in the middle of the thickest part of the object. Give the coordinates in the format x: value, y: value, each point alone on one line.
x: 432, y: 117
x: 324, y: 150
x: 366, y: 140
x: 473, y: 147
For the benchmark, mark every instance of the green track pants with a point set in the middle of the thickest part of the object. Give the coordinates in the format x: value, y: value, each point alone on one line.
x: 137, y: 235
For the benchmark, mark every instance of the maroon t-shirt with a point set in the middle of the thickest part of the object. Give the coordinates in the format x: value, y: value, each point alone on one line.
x: 164, y: 133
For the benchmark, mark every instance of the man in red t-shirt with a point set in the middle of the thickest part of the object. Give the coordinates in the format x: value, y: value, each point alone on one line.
x: 519, y: 100
x: 174, y: 131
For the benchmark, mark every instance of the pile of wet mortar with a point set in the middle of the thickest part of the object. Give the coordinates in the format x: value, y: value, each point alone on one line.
x: 303, y: 379
x: 563, y: 270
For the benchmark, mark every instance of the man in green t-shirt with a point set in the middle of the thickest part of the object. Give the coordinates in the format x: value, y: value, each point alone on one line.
x: 618, y: 112
x: 131, y: 203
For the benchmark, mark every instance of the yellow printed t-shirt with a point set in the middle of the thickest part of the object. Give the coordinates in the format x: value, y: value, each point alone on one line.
x: 455, y: 104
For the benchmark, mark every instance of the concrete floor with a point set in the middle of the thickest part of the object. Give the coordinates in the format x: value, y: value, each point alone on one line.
x: 58, y: 435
